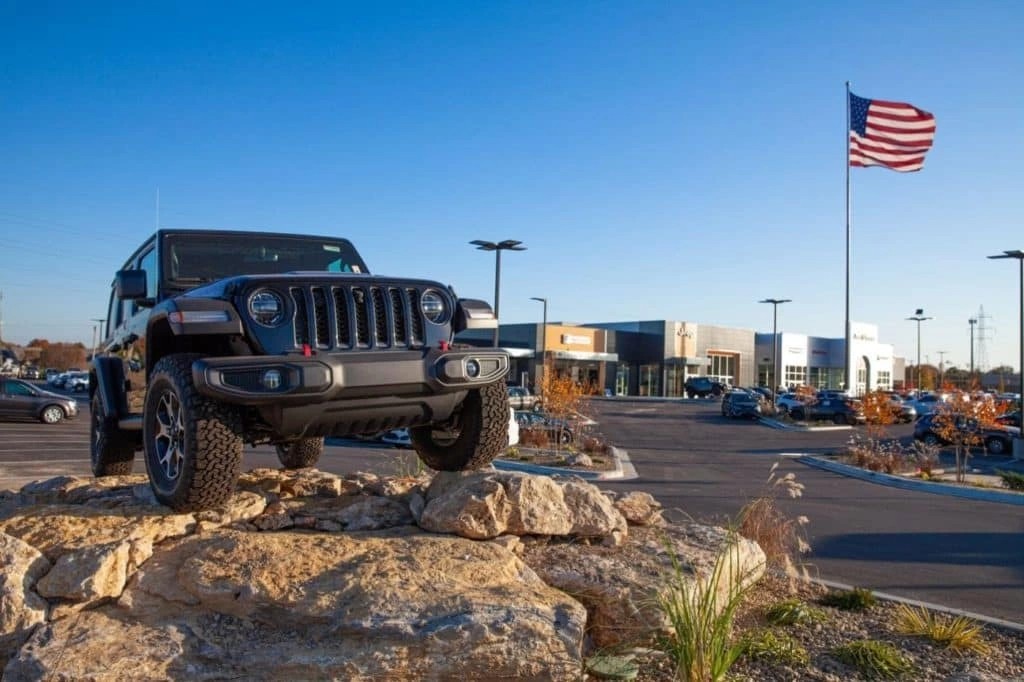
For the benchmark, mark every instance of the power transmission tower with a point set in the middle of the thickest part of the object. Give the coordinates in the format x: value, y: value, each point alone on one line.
x: 985, y: 333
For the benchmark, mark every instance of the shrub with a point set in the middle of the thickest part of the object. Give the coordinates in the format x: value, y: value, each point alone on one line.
x: 960, y: 634
x: 1013, y: 480
x: 874, y: 659
x: 533, y: 438
x: 857, y: 599
x: 793, y: 612
x: 761, y: 520
x: 700, y: 615
x: 775, y: 647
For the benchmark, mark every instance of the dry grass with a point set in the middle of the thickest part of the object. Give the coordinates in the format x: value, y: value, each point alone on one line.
x: 959, y: 633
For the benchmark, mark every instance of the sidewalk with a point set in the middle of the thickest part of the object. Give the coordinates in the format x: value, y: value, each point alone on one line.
x: 622, y: 470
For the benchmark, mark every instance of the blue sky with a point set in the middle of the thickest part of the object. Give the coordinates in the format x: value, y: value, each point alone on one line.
x: 659, y: 160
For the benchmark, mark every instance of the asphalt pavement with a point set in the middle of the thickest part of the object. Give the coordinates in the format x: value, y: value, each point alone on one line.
x: 960, y: 553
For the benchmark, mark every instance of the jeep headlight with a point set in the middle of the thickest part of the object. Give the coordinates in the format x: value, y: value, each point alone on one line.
x: 433, y: 306
x: 266, y: 307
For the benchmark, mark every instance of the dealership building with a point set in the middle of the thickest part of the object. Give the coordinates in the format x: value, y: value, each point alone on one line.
x: 655, y: 357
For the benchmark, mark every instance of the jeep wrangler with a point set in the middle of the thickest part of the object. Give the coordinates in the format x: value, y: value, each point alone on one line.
x: 215, y: 339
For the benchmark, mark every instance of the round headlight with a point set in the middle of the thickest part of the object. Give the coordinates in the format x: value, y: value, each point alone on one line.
x: 433, y: 307
x: 267, y: 307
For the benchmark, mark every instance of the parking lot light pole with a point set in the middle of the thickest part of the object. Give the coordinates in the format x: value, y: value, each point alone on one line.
x: 98, y: 327
x: 919, y: 318
x: 543, y: 337
x: 775, y: 341
x: 1018, y: 443
x: 497, y: 248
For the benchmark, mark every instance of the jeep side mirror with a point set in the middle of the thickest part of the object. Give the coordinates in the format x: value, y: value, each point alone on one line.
x: 130, y: 285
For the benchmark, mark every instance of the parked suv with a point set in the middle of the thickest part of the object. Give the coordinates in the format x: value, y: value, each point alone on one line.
x: 837, y: 410
x: 702, y: 387
x: 996, y: 438
x: 215, y: 339
x: 737, y: 404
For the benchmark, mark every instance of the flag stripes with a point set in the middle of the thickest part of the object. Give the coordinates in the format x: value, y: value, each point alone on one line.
x: 892, y: 135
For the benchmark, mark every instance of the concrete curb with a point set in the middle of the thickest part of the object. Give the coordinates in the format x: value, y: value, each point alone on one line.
x: 782, y: 426
x: 910, y: 484
x: 623, y: 471
x: 931, y: 606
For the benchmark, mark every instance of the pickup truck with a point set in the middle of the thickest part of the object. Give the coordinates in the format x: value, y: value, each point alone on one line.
x: 520, y: 398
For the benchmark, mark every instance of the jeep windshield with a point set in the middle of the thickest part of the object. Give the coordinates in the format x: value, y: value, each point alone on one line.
x: 192, y: 258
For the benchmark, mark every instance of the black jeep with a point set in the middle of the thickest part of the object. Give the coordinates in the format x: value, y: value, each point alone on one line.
x: 215, y: 339
x: 702, y: 387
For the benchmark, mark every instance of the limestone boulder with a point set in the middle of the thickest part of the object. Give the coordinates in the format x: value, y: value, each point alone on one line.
x: 640, y: 509
x: 21, y: 609
x: 396, y: 604
x: 620, y: 588
x: 484, y: 505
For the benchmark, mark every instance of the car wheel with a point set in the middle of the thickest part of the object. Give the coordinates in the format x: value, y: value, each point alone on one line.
x: 52, y: 414
x: 472, y: 437
x: 931, y: 439
x: 995, y: 446
x: 111, y: 450
x: 839, y: 419
x: 192, y: 444
x: 565, y: 437
x: 797, y: 415
x: 300, y: 454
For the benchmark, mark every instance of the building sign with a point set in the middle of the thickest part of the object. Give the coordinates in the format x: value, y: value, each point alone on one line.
x: 575, y: 340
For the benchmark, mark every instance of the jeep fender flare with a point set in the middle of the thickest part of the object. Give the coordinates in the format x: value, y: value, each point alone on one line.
x: 108, y: 381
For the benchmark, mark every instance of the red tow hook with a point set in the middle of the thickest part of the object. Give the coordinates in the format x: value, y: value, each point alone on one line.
x: 445, y: 345
x: 306, y: 350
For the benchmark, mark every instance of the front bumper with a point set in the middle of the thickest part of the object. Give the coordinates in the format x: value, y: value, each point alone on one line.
x: 294, y: 380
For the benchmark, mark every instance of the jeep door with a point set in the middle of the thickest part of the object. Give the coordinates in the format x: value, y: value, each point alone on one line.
x: 127, y: 320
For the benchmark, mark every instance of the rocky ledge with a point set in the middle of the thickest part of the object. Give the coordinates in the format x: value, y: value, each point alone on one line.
x: 307, y: 575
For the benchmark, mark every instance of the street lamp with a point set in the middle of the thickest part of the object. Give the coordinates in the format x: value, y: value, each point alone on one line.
x: 919, y: 318
x: 497, y: 248
x: 1018, y: 445
x: 99, y: 324
x: 543, y: 337
x: 775, y: 340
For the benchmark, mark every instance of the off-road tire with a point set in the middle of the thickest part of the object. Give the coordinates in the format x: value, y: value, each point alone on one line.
x: 111, y: 450
x: 476, y: 434
x: 197, y: 438
x: 995, y: 446
x: 301, y: 453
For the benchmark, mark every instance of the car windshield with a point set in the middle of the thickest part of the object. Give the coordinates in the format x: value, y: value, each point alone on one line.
x: 191, y: 258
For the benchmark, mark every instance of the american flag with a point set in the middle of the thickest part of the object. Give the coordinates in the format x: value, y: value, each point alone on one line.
x: 893, y: 135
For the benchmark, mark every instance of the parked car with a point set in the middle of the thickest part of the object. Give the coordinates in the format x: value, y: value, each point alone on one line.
x: 927, y: 403
x: 742, y: 404
x: 996, y: 438
x: 702, y: 387
x: 76, y: 381
x: 30, y: 372
x: 903, y: 411
x: 400, y: 437
x: 787, y: 401
x: 1009, y: 419
x: 520, y: 398
x: 50, y: 374
x: 837, y: 410
x: 22, y: 400
x: 558, y: 430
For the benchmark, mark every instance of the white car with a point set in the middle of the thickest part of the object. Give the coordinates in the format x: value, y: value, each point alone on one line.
x: 77, y: 381
x: 787, y: 401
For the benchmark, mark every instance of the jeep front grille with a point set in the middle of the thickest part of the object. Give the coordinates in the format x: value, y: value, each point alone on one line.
x: 357, y: 317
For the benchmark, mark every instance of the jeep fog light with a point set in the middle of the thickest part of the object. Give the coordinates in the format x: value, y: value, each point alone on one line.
x: 271, y: 379
x: 433, y: 307
x: 472, y: 369
x: 266, y: 307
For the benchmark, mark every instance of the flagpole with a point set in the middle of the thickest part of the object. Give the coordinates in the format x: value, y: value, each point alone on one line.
x: 847, y: 351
